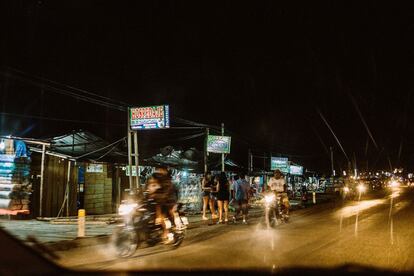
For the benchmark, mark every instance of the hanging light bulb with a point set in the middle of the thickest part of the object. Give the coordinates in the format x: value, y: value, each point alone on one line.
x: 2, y: 145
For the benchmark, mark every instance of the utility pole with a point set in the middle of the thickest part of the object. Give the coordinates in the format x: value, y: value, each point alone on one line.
x: 205, y: 151
x: 129, y: 150
x: 137, y: 178
x: 133, y: 134
x: 355, y: 166
x: 250, y: 161
x: 332, y: 162
x: 222, y: 155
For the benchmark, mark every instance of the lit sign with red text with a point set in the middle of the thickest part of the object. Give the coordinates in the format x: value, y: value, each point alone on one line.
x: 151, y: 117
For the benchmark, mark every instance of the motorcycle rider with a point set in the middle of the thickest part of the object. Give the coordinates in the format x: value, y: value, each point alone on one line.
x: 277, y: 184
x: 161, y: 189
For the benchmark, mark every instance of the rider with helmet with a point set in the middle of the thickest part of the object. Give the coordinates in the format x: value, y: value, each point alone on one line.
x: 161, y: 189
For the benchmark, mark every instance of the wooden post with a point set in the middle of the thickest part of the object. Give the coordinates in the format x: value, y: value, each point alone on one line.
x: 42, y: 177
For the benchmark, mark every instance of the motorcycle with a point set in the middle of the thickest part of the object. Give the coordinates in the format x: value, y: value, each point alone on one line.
x: 353, y: 192
x: 275, y: 210
x: 139, y: 227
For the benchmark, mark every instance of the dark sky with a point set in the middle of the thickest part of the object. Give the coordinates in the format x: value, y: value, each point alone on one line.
x: 263, y: 68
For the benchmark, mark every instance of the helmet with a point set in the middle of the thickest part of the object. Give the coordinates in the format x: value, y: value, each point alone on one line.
x: 278, y: 174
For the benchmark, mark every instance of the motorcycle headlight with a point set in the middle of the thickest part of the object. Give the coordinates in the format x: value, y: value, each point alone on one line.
x: 269, y: 198
x: 126, y: 209
x: 361, y: 188
x: 394, y: 183
x: 346, y: 189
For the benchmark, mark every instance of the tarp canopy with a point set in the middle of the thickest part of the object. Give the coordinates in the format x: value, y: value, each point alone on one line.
x: 86, y: 145
x: 189, y: 159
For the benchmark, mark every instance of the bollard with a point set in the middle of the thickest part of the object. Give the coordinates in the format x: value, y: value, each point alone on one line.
x: 81, y: 223
x: 314, y: 197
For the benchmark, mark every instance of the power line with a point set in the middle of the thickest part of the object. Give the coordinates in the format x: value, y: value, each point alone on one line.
x: 43, y: 79
x: 87, y: 96
x: 101, y: 149
x: 63, y: 91
x: 57, y: 119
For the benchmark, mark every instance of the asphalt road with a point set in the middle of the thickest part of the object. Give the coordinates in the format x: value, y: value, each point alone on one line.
x: 368, y: 233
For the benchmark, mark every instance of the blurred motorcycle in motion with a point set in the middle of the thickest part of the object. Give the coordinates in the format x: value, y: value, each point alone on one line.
x: 275, y: 211
x: 139, y: 226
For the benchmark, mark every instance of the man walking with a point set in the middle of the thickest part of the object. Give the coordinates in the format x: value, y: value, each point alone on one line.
x: 241, y: 194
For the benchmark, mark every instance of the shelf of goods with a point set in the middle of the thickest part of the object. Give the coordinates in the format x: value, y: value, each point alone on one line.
x: 15, y: 186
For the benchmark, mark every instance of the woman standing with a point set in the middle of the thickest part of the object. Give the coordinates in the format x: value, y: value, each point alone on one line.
x: 206, y: 185
x: 223, y: 195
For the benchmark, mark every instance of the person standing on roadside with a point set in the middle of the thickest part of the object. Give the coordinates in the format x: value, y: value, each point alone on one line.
x: 207, y: 185
x: 223, y: 195
x: 233, y: 201
x: 241, y: 193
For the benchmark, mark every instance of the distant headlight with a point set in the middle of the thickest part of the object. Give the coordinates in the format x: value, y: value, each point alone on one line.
x: 346, y: 189
x: 126, y: 209
x: 394, y: 183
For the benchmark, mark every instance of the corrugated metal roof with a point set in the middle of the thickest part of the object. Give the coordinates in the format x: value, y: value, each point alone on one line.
x: 86, y: 145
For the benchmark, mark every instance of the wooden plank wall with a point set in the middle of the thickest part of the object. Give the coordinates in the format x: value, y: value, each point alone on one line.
x: 54, y: 186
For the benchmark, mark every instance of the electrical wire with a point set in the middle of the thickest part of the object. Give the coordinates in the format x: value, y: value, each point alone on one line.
x: 74, y: 92
x: 43, y: 79
x: 65, y: 92
x: 105, y: 154
x: 101, y: 149
x: 58, y: 119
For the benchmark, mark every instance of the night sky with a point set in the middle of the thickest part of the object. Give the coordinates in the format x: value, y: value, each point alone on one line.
x: 264, y: 68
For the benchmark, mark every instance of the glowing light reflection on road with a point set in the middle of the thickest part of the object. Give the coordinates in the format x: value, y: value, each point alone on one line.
x: 350, y: 211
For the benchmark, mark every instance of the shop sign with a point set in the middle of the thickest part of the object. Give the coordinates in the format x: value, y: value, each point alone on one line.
x: 218, y: 144
x: 151, y: 117
x: 296, y: 170
x: 279, y: 163
x: 94, y: 168
x: 134, y: 170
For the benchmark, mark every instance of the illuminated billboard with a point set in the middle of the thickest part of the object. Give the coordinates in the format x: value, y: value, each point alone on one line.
x: 279, y: 163
x: 151, y: 117
x: 218, y: 144
x: 296, y: 170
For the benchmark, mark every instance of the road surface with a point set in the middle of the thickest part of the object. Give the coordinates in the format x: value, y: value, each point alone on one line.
x: 368, y: 233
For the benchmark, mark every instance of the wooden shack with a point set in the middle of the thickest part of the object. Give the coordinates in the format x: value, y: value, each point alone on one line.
x: 60, y: 195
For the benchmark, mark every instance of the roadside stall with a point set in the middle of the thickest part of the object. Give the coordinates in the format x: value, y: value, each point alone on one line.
x: 15, y: 182
x: 185, y: 172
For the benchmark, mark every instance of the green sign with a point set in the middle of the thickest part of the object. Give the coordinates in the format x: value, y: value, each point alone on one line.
x: 218, y: 144
x: 279, y: 163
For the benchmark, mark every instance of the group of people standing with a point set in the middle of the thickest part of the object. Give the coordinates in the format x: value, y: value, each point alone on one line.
x: 218, y: 188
